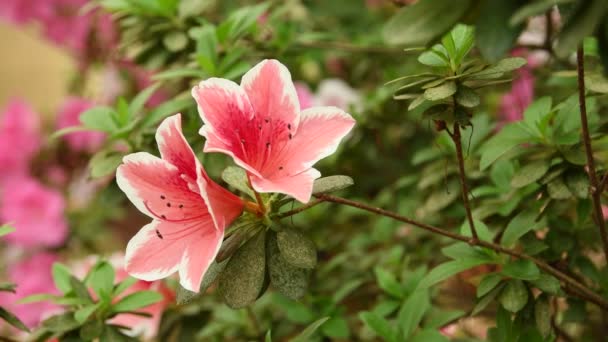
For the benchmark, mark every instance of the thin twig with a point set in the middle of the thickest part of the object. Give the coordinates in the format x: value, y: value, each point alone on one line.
x: 463, y: 180
x: 299, y: 209
x: 582, y: 290
x: 594, y: 189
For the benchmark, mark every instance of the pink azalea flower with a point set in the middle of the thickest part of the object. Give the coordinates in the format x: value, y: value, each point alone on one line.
x: 260, y: 125
x: 20, y: 126
x: 189, y: 210
x: 36, y: 212
x: 32, y: 276
x: 69, y: 115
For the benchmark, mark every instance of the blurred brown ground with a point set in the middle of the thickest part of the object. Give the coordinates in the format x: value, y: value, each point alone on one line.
x: 33, y: 69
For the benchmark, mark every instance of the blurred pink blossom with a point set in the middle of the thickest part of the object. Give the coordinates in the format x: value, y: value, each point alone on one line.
x: 145, y: 326
x: 32, y: 276
x: 335, y: 92
x: 36, y: 212
x: 63, y: 23
x: 69, y: 114
x: 19, y: 127
x: 514, y: 103
x: 305, y: 96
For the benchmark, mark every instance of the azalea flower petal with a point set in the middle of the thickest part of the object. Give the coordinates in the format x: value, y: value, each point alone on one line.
x: 321, y: 130
x: 223, y: 205
x: 272, y: 93
x: 198, y: 254
x: 298, y: 186
x: 148, y: 257
x: 222, y: 105
x: 174, y: 148
x: 157, y: 189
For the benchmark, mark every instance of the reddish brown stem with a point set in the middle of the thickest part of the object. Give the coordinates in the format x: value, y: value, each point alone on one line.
x: 456, y: 137
x: 595, y: 188
x: 568, y: 282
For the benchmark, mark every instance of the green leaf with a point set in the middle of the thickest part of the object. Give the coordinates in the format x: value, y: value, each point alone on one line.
x: 537, y: 112
x: 434, y: 57
x: 547, y: 283
x: 428, y: 335
x: 416, y: 102
x: 488, y: 283
x: 413, y: 310
x: 99, y: 119
x: 13, y: 320
x: 449, y: 269
x: 137, y: 105
x: 243, y: 278
x: 482, y: 230
x: 61, y: 323
x: 461, y: 38
x: 61, y: 277
x: 241, y: 21
x: 596, y: 83
x: 494, y: 36
x: 524, y: 222
x: 309, y: 331
x: 423, y: 21
x: 508, y: 137
x: 514, y: 296
x: 137, y: 300
x: 504, y: 65
x: 296, y: 248
x: 124, y: 285
x: 175, y: 41
x: 521, y: 269
x: 331, y: 184
x: 101, y: 279
x: 580, y: 24
x: 289, y: 280
x: 487, y: 299
x: 82, y: 314
x: 91, y: 330
x: 166, y: 109
x: 80, y: 290
x: 543, y: 315
x: 268, y: 337
x: 534, y: 8
x: 530, y: 173
x: 388, y: 282
x: 184, y: 296
x: 336, y: 328
x: 237, y: 178
x: 557, y: 189
x: 6, y: 229
x: 441, y: 92
x: 378, y: 325
x: 467, y: 97
x: 578, y: 184
x: 103, y: 163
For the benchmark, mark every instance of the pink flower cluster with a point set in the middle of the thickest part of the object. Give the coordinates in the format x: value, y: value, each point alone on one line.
x: 262, y: 125
x: 34, y: 209
x: 63, y: 23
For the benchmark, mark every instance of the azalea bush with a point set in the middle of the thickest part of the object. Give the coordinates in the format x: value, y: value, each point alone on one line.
x: 405, y: 170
